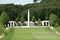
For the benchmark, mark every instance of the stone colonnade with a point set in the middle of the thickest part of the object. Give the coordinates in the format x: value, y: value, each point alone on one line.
x: 45, y: 23
x: 13, y: 23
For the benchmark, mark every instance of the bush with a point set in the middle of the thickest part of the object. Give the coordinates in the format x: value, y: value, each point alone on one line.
x: 22, y: 19
x: 39, y: 22
x: 33, y: 19
x: 1, y: 29
x: 17, y: 19
x: 53, y: 20
x: 8, y: 31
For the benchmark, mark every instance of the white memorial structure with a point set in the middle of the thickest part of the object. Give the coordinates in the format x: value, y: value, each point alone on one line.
x: 28, y: 18
x: 43, y: 23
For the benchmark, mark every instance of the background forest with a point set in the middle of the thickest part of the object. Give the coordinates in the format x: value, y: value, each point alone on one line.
x: 40, y: 10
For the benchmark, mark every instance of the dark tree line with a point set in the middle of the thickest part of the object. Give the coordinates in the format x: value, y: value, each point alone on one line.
x: 40, y: 10
x: 12, y: 10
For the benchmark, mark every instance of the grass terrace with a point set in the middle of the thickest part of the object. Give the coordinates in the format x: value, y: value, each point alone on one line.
x: 32, y: 34
x: 58, y: 28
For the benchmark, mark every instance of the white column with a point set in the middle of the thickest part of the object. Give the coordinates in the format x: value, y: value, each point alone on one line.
x: 42, y: 23
x: 13, y: 24
x: 10, y: 24
x: 46, y: 23
x: 28, y: 17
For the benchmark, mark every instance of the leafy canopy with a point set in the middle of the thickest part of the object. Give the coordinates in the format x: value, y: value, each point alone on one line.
x: 4, y: 18
x: 33, y: 19
x: 53, y: 19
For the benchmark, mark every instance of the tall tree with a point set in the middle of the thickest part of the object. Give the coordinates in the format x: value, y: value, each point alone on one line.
x: 53, y: 19
x: 4, y: 19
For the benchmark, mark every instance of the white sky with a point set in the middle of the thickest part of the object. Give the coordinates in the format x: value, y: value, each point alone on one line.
x: 16, y: 1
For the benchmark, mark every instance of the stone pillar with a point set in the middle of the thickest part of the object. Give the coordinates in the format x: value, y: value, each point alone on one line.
x: 8, y: 25
x: 13, y: 24
x: 46, y: 23
x: 42, y: 23
x: 16, y: 24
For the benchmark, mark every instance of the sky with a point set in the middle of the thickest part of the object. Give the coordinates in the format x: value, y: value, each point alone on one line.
x: 22, y: 2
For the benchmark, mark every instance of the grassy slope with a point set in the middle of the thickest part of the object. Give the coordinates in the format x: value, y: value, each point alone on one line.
x: 34, y: 34
x: 57, y: 28
x: 9, y: 35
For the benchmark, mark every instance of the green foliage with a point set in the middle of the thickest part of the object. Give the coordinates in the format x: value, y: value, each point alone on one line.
x: 8, y: 34
x: 22, y: 20
x: 1, y: 28
x: 59, y: 22
x: 53, y: 20
x: 17, y: 19
x: 57, y: 28
x: 39, y: 22
x: 4, y: 18
x: 35, y: 0
x: 40, y: 10
x: 33, y: 19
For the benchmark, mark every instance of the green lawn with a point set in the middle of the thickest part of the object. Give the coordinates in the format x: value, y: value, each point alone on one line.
x: 34, y: 34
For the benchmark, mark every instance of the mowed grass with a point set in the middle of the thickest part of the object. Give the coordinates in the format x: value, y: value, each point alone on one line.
x: 34, y: 34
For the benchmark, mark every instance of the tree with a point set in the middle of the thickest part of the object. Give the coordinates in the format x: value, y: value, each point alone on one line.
x: 4, y: 19
x: 33, y: 19
x: 53, y: 20
x: 35, y: 0
x: 39, y: 22
x: 1, y: 28
x: 59, y: 22
x: 17, y: 19
x: 22, y: 20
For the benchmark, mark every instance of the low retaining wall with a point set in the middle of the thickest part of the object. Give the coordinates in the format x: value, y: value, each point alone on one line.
x: 54, y: 30
x: 29, y: 27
